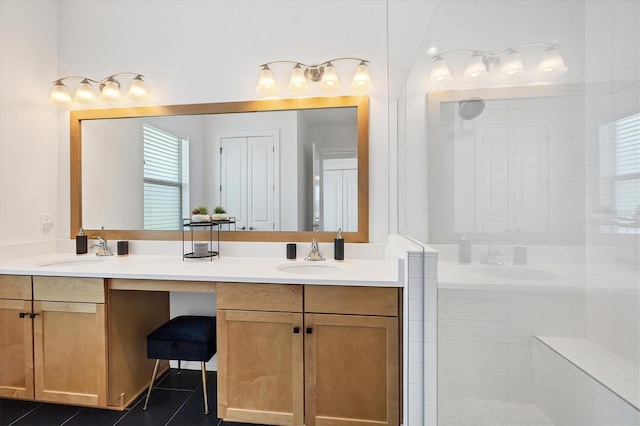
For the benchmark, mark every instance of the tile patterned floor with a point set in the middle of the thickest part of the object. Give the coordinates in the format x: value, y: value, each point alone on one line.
x: 176, y: 400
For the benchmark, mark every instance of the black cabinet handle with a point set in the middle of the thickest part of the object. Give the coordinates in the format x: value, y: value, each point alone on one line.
x: 309, y: 330
x: 23, y: 314
x: 296, y: 330
x: 32, y: 315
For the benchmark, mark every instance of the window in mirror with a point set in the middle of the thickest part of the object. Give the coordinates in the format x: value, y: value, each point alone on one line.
x: 166, y: 179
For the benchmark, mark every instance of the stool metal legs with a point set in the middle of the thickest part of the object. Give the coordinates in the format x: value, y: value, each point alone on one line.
x: 204, y: 385
x: 153, y: 377
x: 204, y: 388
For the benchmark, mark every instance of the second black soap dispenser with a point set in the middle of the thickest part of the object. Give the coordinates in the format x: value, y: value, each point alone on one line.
x: 338, y: 246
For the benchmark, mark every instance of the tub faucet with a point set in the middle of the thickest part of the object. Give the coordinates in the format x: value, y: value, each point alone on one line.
x: 493, y: 255
x: 102, y: 246
x: 314, y: 255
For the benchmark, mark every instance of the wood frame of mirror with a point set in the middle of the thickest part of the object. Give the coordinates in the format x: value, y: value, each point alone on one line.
x: 360, y: 102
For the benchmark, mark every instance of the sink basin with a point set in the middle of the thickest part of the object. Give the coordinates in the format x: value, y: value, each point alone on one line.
x: 308, y: 268
x: 513, y: 273
x: 72, y: 261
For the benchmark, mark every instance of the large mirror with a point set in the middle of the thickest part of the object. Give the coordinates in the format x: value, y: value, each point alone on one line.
x: 285, y: 170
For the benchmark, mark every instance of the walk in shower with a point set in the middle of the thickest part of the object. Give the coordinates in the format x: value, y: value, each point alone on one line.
x: 541, y: 178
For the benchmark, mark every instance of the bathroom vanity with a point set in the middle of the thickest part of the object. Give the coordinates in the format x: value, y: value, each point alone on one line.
x: 293, y: 347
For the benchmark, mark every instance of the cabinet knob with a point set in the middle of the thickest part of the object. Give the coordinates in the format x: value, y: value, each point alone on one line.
x: 296, y: 330
x: 309, y: 330
x: 23, y: 314
x: 32, y: 315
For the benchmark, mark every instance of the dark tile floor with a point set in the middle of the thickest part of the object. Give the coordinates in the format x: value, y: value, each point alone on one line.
x: 176, y: 400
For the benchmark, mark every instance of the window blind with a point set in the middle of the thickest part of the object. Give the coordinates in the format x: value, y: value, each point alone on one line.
x: 165, y: 181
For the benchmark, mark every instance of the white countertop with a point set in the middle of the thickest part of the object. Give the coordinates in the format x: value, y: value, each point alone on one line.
x: 357, y: 272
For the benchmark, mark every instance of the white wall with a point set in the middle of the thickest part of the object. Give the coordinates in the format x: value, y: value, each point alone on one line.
x: 196, y: 52
x: 28, y: 132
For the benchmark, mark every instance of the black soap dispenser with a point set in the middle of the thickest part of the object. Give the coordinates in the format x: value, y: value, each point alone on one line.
x: 81, y: 243
x: 338, y: 246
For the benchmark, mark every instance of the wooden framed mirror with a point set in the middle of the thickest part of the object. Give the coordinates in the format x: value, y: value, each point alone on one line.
x: 100, y: 135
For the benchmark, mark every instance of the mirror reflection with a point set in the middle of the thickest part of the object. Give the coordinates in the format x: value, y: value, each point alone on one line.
x: 271, y: 171
x: 279, y: 167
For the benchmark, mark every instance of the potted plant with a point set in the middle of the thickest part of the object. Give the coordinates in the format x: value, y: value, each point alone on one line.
x: 219, y: 213
x: 200, y: 214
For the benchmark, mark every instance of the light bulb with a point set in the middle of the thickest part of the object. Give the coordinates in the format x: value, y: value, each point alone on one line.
x: 361, y: 79
x: 440, y: 72
x: 476, y: 68
x: 84, y: 92
x: 551, y: 65
x: 298, y: 82
x: 138, y: 90
x: 111, y: 90
x: 330, y: 79
x: 266, y: 82
x: 60, y: 94
x: 512, y: 66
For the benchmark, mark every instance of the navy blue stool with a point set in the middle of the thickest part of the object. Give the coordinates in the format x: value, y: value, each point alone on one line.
x: 183, y: 338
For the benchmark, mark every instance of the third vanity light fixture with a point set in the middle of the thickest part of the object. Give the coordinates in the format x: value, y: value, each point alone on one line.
x: 508, y: 63
x: 109, y: 89
x: 302, y: 74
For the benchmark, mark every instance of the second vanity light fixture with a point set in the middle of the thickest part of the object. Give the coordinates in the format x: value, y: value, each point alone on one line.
x: 109, y: 89
x: 302, y: 75
x: 508, y: 63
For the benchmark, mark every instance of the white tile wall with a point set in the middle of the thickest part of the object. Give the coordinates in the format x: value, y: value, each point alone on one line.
x: 567, y: 395
x: 485, y: 339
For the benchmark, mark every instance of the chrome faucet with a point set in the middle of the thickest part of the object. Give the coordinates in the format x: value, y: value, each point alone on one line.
x: 493, y: 255
x: 102, y: 246
x: 315, y: 252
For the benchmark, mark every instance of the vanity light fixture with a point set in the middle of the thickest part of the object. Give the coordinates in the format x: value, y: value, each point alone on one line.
x: 302, y: 75
x: 109, y: 89
x: 508, y: 63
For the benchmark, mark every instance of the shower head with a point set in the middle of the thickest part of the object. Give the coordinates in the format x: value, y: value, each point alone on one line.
x: 469, y: 109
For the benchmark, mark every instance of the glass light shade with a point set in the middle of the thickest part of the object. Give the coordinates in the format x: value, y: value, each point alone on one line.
x: 330, y: 79
x: 111, y: 90
x: 85, y: 93
x: 512, y: 66
x: 551, y: 64
x: 361, y: 79
x: 60, y: 94
x: 476, y: 68
x: 440, y: 72
x: 138, y: 90
x: 266, y: 82
x: 298, y: 82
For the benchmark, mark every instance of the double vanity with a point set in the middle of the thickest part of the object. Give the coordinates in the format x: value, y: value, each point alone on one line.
x: 298, y: 342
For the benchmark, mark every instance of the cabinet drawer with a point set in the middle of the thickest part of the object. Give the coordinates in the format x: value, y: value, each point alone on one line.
x: 66, y: 289
x: 260, y: 297
x: 351, y: 300
x: 15, y: 287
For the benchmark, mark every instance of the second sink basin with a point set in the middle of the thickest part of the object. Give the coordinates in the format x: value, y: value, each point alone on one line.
x: 518, y: 273
x: 308, y: 268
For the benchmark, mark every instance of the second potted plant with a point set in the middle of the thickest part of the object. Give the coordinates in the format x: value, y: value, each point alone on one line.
x: 219, y: 214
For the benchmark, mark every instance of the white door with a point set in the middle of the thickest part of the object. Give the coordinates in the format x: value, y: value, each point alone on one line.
x: 340, y: 195
x: 248, y: 184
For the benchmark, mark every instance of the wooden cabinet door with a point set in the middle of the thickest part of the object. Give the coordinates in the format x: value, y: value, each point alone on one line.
x: 351, y: 370
x: 260, y: 367
x: 16, y: 349
x: 70, y: 362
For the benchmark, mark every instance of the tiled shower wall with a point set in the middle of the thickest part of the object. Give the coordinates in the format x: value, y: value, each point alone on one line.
x: 612, y: 72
